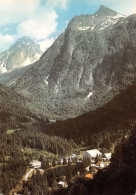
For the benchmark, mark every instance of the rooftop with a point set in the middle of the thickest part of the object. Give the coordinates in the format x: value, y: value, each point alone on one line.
x: 90, y: 176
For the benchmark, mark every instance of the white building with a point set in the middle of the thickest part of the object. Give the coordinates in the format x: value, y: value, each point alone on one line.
x: 87, y: 168
x: 36, y: 164
x: 74, y: 156
x: 108, y: 156
x: 91, y: 154
x: 63, y: 184
x: 102, y: 165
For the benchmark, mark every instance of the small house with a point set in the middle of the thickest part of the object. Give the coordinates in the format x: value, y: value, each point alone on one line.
x: 87, y: 168
x: 62, y: 184
x: 35, y: 164
x: 107, y: 156
x: 100, y: 165
x: 89, y: 176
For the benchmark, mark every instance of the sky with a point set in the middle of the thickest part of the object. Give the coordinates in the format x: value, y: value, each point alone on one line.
x: 44, y: 20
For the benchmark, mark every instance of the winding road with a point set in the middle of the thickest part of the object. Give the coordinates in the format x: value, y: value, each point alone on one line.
x: 27, y: 175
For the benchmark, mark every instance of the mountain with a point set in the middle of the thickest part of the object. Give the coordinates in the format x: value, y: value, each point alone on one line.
x: 85, y: 67
x: 15, y: 109
x: 14, y: 61
x: 24, y: 52
x: 103, y: 125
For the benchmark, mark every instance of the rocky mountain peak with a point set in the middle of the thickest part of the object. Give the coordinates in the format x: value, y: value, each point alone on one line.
x: 100, y: 20
x: 25, y: 38
x: 24, y: 52
x: 105, y: 11
x: 25, y: 42
x: 84, y: 67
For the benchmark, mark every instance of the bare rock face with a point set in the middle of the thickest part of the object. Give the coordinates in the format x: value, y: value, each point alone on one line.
x: 15, y: 61
x: 85, y: 67
x: 24, y: 52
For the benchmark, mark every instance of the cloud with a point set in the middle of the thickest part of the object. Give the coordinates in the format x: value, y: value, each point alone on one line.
x: 45, y: 44
x: 34, y: 18
x: 39, y: 27
x: 62, y: 4
x: 14, y: 11
x: 5, y: 40
x: 38, y: 18
x: 125, y: 7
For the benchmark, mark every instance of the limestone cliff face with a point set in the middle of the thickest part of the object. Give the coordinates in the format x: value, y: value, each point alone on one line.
x: 85, y: 66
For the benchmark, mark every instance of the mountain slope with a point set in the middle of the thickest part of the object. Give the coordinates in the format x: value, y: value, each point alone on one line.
x: 85, y: 67
x: 15, y: 109
x: 15, y: 61
x: 22, y: 53
x: 117, y: 179
x: 108, y: 122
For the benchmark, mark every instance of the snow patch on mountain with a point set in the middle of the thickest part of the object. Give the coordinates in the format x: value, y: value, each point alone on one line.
x: 89, y: 95
x: 111, y: 20
x: 119, y: 16
x: 84, y: 28
x: 56, y: 89
x: 46, y: 80
x: 3, y: 69
x: 92, y: 28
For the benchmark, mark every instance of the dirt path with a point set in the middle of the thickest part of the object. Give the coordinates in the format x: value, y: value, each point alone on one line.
x: 27, y: 175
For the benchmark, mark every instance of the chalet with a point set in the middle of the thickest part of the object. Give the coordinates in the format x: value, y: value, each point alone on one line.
x: 52, y: 121
x: 91, y: 154
x: 93, y: 165
x: 100, y: 165
x: 89, y: 176
x: 107, y: 156
x: 62, y: 184
x: 41, y: 171
x: 87, y: 168
x: 74, y: 156
x: 35, y: 164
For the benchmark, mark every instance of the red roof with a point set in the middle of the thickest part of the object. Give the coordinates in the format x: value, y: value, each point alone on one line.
x: 99, y: 162
x: 90, y: 176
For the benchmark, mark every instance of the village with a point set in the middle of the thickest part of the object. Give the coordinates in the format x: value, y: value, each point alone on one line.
x: 94, y: 158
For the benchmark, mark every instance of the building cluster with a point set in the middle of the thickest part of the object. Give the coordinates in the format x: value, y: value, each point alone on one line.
x: 98, y: 161
x: 103, y: 160
x: 91, y: 154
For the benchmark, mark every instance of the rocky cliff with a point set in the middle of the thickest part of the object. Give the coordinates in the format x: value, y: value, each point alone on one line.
x: 85, y: 67
x: 24, y: 52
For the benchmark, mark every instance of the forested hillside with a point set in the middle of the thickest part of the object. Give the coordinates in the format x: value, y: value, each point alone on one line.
x: 85, y: 65
x: 15, y: 109
x: 118, y: 179
x: 22, y: 138
x: 12, y: 162
x: 103, y: 126
x: 18, y: 148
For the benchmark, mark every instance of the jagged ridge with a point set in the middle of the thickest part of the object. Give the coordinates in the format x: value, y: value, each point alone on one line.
x: 84, y: 67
